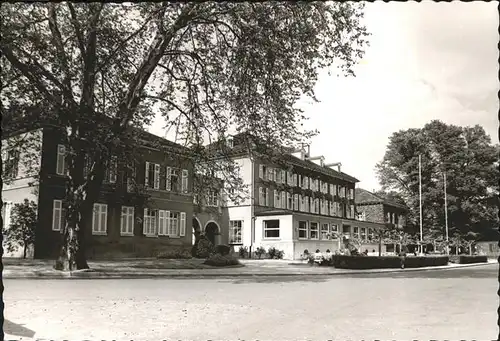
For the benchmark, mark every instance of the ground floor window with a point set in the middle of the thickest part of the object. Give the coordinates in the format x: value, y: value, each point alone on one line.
x: 371, y: 234
x: 356, y: 232
x: 313, y: 231
x: 271, y: 228
x: 235, y: 229
x: 363, y: 233
x: 325, y: 231
x: 100, y: 219
x: 389, y: 248
x: 303, y: 229
x: 127, y: 221
x: 334, y: 231
x: 149, y: 223
x: 57, y: 215
x: 346, y: 230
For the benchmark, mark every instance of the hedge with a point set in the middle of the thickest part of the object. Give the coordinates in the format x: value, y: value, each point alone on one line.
x: 220, y: 260
x: 384, y: 262
x: 464, y: 259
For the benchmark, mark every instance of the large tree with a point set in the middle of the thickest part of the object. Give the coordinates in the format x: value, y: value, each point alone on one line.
x: 96, y: 69
x: 470, y: 162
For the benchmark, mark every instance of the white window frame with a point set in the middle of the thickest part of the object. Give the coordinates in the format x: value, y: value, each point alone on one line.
x: 363, y: 234
x: 266, y: 229
x: 311, y: 230
x: 235, y: 232
x: 324, y: 232
x: 277, y: 199
x: 185, y: 181
x: 213, y: 198
x: 127, y: 220
x: 304, y: 228
x: 354, y: 233
x: 101, y: 210
x: 289, y: 201
x: 173, y: 224
x: 57, y: 215
x: 150, y: 222
x: 334, y: 230
x: 61, y: 167
x: 111, y: 170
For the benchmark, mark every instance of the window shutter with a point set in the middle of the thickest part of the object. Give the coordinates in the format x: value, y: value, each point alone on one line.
x: 144, y: 225
x: 146, y: 176
x: 112, y: 170
x: 261, y: 171
x: 130, y: 227
x: 168, y: 184
x: 183, y: 224
x: 104, y: 219
x: 185, y: 175
x: 167, y: 223
x: 61, y: 152
x: 267, y: 196
x: 157, y: 176
x: 276, y: 202
x: 95, y: 218
x: 56, y: 215
x: 261, y: 196
x: 283, y: 200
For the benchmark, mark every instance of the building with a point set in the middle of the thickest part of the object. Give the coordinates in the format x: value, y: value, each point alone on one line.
x: 378, y: 209
x: 143, y: 209
x: 296, y: 202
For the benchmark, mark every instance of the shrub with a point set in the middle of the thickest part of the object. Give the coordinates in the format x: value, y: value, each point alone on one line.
x: 205, y: 248
x: 260, y: 251
x: 243, y: 251
x: 174, y: 254
x: 468, y: 259
x: 384, y: 262
x: 223, y: 249
x: 274, y: 253
x: 220, y: 260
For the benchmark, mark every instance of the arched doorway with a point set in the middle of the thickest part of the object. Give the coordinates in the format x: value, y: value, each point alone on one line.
x: 211, y: 231
x: 196, y: 229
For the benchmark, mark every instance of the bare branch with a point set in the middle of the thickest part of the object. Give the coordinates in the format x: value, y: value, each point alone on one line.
x: 78, y: 29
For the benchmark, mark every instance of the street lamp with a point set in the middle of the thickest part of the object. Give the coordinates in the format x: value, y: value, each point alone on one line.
x: 446, y: 213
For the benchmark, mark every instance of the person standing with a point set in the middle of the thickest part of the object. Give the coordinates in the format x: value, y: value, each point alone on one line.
x: 402, y: 258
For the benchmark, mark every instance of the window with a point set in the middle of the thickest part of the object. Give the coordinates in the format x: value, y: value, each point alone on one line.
x: 213, y: 198
x: 302, y: 229
x: 283, y: 199
x: 346, y: 230
x: 235, y: 228
x: 277, y: 199
x: 316, y: 205
x: 296, y: 202
x: 262, y: 172
x: 100, y: 219
x: 173, y: 223
x: 294, y: 180
x: 270, y: 174
x: 313, y: 231
x: 130, y: 175
x: 149, y: 223
x: 173, y: 182
x: 331, y: 190
x: 263, y: 196
x: 271, y: 228
x: 58, y: 218
x: 11, y: 162
x: 152, y: 175
x: 371, y: 234
x: 283, y: 176
x: 61, y: 167
x: 127, y: 221
x: 111, y: 170
x: 356, y: 232
x: 185, y: 183
x: 363, y: 233
x: 195, y: 199
x: 289, y: 201
x: 325, y: 231
x: 334, y: 231
x: 277, y: 175
x: 302, y: 203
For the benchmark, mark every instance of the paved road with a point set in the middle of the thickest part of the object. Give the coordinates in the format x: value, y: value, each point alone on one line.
x: 448, y: 304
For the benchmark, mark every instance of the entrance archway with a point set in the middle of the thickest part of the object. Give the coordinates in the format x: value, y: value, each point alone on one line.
x: 211, y: 231
x: 196, y: 229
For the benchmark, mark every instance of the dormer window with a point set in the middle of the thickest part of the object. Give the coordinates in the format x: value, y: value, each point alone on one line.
x: 230, y: 142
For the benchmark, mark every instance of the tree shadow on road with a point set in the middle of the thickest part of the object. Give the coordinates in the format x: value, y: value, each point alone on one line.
x: 17, y: 329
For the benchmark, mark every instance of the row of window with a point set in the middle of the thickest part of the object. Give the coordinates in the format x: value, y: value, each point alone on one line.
x: 282, y: 176
x: 155, y: 222
x: 304, y: 203
x: 176, y: 180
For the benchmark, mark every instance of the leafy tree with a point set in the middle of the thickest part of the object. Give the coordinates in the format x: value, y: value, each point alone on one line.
x: 471, y: 165
x: 21, y: 231
x: 98, y: 69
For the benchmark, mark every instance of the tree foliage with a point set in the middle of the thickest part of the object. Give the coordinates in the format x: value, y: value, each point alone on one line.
x: 97, y: 69
x: 21, y: 231
x: 470, y: 161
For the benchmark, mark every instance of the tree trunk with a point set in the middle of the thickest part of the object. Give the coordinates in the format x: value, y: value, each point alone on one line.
x: 24, y: 250
x: 380, y: 247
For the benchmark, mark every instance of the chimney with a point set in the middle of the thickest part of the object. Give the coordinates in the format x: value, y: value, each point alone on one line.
x: 300, y: 153
x: 338, y: 164
x: 319, y: 160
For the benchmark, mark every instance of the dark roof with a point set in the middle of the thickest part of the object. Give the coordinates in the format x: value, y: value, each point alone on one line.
x: 377, y: 199
x: 244, y: 142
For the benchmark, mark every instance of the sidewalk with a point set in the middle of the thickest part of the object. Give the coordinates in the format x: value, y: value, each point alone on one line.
x: 153, y: 268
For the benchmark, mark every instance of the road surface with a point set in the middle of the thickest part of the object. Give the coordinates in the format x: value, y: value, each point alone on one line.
x: 444, y: 304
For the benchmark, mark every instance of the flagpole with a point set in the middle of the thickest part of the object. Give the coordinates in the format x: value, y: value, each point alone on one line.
x: 420, y: 199
x: 446, y: 213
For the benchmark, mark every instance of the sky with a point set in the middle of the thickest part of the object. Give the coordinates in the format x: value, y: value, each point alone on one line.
x: 425, y: 61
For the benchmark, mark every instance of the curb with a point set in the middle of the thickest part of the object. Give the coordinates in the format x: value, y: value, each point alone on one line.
x: 134, y: 275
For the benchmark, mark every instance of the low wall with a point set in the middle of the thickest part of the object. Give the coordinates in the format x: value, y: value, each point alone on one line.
x: 364, y: 262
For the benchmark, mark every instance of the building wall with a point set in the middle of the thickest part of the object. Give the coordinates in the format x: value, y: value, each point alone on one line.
x: 373, y: 213
x: 285, y: 240
x: 243, y: 213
